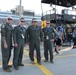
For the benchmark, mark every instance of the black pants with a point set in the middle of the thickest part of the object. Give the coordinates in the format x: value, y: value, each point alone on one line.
x: 48, y: 47
x: 32, y: 46
x: 74, y: 40
x: 69, y: 37
x: 18, y: 55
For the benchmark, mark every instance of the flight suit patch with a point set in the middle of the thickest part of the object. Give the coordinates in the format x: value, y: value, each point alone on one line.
x: 3, y: 26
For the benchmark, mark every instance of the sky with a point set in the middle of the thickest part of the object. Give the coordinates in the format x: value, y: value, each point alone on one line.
x: 34, y: 5
x: 28, y: 5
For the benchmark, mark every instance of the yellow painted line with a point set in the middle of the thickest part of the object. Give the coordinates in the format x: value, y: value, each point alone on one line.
x: 67, y: 49
x: 29, y: 65
x: 70, y: 55
x: 43, y: 68
x: 64, y: 56
x: 10, y: 63
x: 0, y: 63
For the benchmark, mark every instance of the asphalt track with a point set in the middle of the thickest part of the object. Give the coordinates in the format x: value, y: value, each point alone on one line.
x: 64, y: 64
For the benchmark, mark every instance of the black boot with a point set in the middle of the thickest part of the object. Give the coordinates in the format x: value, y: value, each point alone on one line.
x: 56, y: 51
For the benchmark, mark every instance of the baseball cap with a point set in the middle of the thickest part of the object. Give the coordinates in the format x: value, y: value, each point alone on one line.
x: 9, y: 18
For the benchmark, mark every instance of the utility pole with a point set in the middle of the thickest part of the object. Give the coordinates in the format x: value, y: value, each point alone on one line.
x: 55, y: 13
x: 20, y: 13
x: 42, y: 12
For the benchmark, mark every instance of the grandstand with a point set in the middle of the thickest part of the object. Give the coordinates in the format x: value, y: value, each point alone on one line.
x: 4, y: 15
x: 15, y: 21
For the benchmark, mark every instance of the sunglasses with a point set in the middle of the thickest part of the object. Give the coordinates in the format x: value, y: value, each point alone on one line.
x: 22, y: 21
x: 9, y: 19
x: 47, y: 23
x: 34, y: 21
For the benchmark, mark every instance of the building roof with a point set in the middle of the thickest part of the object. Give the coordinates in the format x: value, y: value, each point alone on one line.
x: 65, y: 3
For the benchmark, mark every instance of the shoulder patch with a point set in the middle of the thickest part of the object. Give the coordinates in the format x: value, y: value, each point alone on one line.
x: 3, y: 26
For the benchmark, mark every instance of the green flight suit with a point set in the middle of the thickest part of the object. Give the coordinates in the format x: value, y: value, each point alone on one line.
x: 19, y: 35
x: 6, y: 34
x: 34, y: 35
x: 49, y: 33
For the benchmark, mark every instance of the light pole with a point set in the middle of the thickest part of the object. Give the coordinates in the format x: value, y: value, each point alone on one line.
x: 20, y: 13
x: 55, y: 12
x: 42, y: 12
